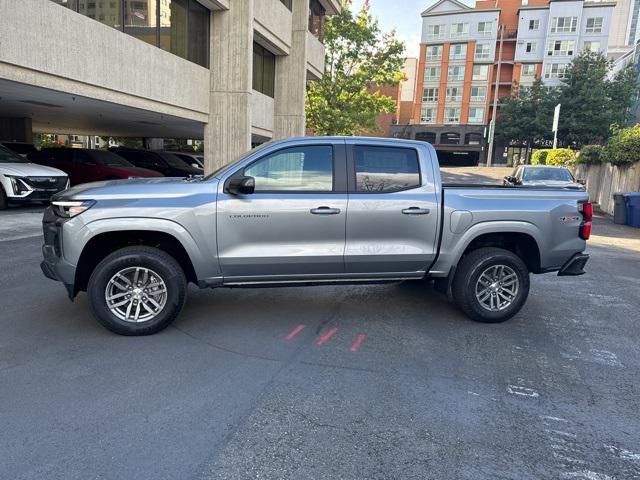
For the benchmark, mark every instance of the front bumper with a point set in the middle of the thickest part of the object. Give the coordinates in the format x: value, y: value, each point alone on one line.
x: 54, y: 266
x: 575, y: 265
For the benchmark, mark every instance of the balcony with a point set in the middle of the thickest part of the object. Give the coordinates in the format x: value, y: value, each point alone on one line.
x: 315, y: 56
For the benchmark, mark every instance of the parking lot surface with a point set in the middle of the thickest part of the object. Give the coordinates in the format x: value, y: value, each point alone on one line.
x: 358, y: 382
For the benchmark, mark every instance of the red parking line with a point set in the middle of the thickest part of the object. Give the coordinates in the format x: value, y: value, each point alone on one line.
x: 294, y: 333
x: 327, y: 336
x: 358, y: 343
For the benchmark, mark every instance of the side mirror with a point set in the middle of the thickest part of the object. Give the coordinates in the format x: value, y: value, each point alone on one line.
x: 242, y: 186
x: 195, y: 165
x: 511, y: 179
x: 581, y: 181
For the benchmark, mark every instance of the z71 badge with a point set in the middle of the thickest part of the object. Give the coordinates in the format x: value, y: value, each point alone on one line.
x: 573, y: 218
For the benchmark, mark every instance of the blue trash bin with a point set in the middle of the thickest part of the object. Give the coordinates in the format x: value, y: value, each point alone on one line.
x: 633, y: 209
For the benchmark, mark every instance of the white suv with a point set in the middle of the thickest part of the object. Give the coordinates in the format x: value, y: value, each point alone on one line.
x: 23, y: 182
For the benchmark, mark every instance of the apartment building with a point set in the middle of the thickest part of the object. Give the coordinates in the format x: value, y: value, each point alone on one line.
x: 230, y: 72
x: 625, y: 28
x: 468, y: 54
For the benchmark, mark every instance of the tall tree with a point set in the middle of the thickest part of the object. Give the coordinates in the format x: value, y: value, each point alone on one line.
x: 591, y: 100
x: 358, y: 55
x: 527, y: 115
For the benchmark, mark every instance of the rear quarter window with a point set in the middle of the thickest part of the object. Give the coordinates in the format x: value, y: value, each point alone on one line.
x: 386, y: 169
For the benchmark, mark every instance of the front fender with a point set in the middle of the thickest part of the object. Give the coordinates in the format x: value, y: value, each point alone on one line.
x: 205, y: 263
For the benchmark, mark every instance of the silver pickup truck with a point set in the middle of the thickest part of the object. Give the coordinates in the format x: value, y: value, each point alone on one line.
x: 309, y: 211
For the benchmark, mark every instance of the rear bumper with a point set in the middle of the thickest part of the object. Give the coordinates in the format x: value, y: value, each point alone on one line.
x: 575, y: 265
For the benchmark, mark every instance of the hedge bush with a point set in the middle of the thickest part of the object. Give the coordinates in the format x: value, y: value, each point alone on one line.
x: 560, y: 157
x: 539, y: 157
x: 623, y: 148
x: 590, y: 154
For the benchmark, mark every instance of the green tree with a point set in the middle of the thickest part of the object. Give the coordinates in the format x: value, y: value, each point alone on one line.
x: 358, y: 56
x: 527, y: 115
x: 623, y: 148
x: 591, y: 101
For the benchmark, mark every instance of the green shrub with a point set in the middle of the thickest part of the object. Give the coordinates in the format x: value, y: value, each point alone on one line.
x: 560, y: 157
x: 539, y: 157
x: 590, y: 154
x: 623, y: 148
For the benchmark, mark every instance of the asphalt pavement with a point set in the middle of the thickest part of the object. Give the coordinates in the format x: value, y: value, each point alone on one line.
x: 358, y: 382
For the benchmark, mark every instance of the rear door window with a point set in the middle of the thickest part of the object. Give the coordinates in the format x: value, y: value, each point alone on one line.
x: 385, y: 169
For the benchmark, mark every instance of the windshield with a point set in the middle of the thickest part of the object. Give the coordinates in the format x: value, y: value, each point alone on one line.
x: 109, y: 159
x: 216, y: 172
x: 541, y: 174
x: 7, y: 156
x: 172, y: 160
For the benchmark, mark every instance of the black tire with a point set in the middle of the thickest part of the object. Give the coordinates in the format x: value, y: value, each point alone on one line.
x: 158, y: 261
x: 3, y: 199
x: 469, y: 270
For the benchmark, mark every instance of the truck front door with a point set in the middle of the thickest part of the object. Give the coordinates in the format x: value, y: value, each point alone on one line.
x: 293, y: 224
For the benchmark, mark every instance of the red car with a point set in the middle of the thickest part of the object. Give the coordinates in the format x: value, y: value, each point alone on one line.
x: 84, y: 165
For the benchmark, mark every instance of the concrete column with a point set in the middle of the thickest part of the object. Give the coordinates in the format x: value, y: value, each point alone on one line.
x: 291, y: 78
x: 16, y: 129
x: 228, y: 133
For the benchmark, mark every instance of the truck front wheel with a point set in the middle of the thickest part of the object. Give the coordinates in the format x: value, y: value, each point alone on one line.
x: 491, y: 285
x: 137, y: 290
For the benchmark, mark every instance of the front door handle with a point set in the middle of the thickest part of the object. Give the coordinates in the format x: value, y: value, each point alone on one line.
x: 416, y: 211
x: 325, y: 211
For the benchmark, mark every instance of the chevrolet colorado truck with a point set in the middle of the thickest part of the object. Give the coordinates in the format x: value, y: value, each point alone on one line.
x: 309, y: 211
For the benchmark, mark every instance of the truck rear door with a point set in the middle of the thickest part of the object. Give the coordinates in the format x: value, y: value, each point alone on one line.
x: 392, y: 217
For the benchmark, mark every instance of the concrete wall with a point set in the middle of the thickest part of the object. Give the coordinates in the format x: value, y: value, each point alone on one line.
x: 262, y: 114
x: 315, y: 55
x: 605, y: 180
x: 87, y: 54
x: 273, y: 23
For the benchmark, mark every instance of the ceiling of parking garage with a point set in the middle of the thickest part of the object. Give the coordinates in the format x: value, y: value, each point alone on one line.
x: 57, y: 112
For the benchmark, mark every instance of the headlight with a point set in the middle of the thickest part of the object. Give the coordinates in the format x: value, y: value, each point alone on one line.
x: 19, y: 185
x: 71, y: 208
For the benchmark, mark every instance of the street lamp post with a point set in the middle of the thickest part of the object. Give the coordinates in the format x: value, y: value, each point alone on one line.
x: 492, y: 125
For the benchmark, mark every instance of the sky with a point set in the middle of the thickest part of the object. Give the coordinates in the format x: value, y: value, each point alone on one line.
x: 403, y: 15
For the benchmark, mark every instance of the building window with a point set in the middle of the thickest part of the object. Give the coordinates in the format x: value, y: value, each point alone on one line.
x: 427, y: 114
x: 450, y: 138
x: 458, y: 51
x: 384, y: 169
x: 435, y: 32
x: 456, y: 73
x: 317, y: 17
x: 459, y: 30
x: 473, y: 139
x: 434, y: 52
x: 592, y: 46
x: 564, y: 24
x: 594, y: 25
x: 485, y: 29
x: 264, y: 70
x: 531, y: 47
x: 560, y: 48
x: 177, y: 26
x: 555, y: 70
x: 478, y: 94
x: 534, y: 25
x: 483, y: 51
x: 452, y: 115
x: 432, y: 73
x: 480, y: 72
x: 528, y: 70
x: 454, y: 94
x: 476, y: 115
x: 430, y: 94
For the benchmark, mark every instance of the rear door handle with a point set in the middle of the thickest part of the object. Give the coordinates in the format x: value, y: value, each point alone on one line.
x: 325, y: 211
x: 416, y: 211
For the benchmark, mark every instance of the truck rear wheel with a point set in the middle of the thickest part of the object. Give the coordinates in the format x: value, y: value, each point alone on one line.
x: 491, y: 285
x: 137, y: 291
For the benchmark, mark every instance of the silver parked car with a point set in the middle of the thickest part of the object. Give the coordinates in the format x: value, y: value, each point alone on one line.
x: 543, y: 176
x: 309, y: 211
